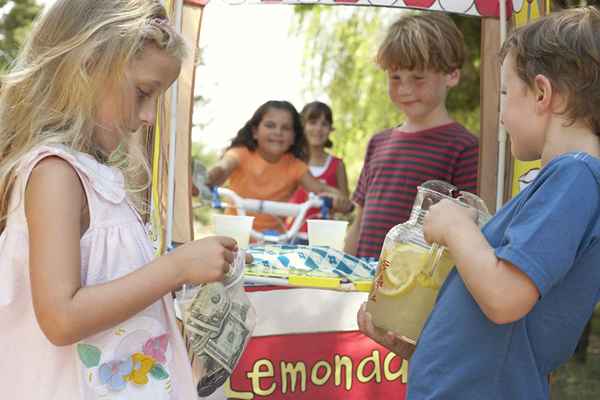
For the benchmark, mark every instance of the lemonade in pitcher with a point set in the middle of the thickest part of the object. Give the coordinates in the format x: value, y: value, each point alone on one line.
x: 410, y: 271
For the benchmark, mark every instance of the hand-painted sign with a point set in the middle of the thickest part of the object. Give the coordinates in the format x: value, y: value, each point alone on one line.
x: 482, y: 8
x: 306, y: 347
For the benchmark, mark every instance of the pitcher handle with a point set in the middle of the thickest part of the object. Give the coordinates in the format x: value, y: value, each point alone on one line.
x: 433, y: 258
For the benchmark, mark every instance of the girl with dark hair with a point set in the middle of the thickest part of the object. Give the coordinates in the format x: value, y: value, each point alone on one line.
x: 317, y: 119
x: 266, y: 161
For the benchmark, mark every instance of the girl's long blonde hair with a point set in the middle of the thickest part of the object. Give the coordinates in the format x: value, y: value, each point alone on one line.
x: 51, y: 93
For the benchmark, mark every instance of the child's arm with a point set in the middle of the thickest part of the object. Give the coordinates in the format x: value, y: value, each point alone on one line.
x: 503, y: 292
x: 342, y: 179
x: 351, y: 243
x: 68, y: 312
x: 341, y: 203
x: 219, y: 173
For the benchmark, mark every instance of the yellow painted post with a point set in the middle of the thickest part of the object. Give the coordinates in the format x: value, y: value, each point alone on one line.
x: 523, y: 172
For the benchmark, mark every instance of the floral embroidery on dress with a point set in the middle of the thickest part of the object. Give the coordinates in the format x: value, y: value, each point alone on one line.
x: 115, y: 374
x: 156, y: 347
x: 142, y: 364
x: 135, y: 369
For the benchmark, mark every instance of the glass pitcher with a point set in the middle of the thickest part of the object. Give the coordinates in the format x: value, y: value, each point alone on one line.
x: 410, y: 271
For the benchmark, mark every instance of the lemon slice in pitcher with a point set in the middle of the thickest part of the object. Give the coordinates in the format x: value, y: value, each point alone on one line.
x: 400, y: 275
x: 400, y: 285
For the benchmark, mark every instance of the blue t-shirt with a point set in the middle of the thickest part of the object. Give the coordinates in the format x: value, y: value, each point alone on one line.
x: 550, y: 231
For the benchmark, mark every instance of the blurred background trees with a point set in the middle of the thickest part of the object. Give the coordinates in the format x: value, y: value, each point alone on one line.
x: 15, y: 22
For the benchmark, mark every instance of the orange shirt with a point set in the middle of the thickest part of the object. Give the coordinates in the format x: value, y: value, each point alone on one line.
x: 256, y: 178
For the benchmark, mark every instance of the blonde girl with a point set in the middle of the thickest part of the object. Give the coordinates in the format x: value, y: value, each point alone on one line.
x: 85, y: 309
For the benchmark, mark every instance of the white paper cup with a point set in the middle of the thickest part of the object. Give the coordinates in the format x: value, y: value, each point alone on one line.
x: 327, y: 232
x: 235, y: 226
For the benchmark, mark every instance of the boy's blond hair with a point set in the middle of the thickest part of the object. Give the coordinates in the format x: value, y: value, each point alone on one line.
x: 422, y: 41
x: 565, y: 48
x: 51, y: 95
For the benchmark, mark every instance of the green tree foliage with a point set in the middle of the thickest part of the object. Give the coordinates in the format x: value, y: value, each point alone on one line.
x: 341, y: 44
x: 15, y: 22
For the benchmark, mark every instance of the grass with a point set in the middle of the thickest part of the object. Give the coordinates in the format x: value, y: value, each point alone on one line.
x: 579, y: 380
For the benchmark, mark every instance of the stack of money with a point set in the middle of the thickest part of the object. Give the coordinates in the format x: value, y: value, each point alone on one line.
x: 217, y: 331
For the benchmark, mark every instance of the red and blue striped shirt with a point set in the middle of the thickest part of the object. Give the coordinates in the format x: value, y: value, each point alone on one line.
x: 396, y: 163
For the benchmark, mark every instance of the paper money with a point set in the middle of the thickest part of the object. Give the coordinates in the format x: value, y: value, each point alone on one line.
x: 227, y: 348
x: 240, y: 311
x: 208, y: 309
x: 217, y: 330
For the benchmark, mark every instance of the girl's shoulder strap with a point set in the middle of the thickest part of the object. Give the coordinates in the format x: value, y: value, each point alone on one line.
x: 16, y: 208
x: 332, y: 163
x: 102, y: 184
x: 106, y: 181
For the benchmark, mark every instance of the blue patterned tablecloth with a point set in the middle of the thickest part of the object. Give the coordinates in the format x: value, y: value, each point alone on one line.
x: 281, y: 260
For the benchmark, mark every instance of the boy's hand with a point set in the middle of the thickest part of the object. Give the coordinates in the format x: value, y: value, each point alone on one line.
x: 204, y: 260
x: 442, y: 218
x: 390, y: 340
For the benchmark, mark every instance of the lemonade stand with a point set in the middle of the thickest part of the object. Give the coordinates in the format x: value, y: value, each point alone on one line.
x: 310, y: 348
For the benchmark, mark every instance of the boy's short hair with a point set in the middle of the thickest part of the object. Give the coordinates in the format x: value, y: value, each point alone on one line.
x: 565, y: 48
x: 422, y: 41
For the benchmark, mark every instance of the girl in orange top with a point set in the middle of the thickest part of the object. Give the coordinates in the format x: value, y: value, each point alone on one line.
x: 266, y: 161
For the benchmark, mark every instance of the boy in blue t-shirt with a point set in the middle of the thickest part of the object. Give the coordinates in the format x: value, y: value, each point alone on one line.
x: 512, y: 310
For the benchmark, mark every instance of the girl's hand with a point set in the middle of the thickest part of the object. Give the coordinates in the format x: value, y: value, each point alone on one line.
x: 390, y: 340
x: 442, y: 218
x: 220, y: 172
x: 205, y: 260
x: 340, y: 203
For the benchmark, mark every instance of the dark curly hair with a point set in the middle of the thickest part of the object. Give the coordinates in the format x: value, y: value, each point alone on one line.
x: 315, y: 110
x: 245, y: 137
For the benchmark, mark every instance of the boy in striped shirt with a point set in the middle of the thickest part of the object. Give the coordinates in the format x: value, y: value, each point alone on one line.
x: 422, y: 55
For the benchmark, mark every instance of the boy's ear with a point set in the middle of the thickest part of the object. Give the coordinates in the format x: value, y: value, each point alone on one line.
x: 542, y: 90
x: 453, y: 78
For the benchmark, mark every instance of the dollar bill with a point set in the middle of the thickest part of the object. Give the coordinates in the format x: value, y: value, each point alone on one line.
x: 198, y: 343
x: 227, y: 348
x: 240, y: 311
x: 219, y: 355
x: 217, y: 333
x: 209, y: 308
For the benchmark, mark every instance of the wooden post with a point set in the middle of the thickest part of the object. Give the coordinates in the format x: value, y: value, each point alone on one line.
x: 183, y: 230
x: 490, y: 107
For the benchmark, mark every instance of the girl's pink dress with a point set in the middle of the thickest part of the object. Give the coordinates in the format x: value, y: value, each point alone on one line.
x: 141, y: 358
